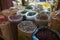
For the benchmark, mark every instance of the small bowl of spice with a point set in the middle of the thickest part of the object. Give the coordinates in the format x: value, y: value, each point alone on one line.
x: 31, y: 15
x: 44, y: 33
x: 29, y: 7
x: 22, y: 12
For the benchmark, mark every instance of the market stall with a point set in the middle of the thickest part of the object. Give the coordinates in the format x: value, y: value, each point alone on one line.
x: 31, y: 20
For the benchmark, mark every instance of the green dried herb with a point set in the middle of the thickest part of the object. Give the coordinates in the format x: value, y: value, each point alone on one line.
x: 31, y: 13
x: 23, y: 12
x: 29, y: 7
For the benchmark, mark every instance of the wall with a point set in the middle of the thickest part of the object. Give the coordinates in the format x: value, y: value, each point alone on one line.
x: 5, y: 4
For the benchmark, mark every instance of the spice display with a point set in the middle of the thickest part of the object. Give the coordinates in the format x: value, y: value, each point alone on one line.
x: 55, y: 21
x: 26, y: 28
x: 25, y: 17
x: 47, y: 34
x: 14, y: 21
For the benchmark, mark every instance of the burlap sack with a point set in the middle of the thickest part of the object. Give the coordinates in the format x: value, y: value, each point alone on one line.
x: 5, y: 27
x: 25, y: 33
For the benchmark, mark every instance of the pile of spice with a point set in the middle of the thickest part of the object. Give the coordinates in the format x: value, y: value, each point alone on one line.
x: 41, y: 19
x: 15, y: 17
x: 47, y: 34
x: 27, y: 26
x: 24, y: 11
x: 7, y: 12
x: 42, y: 16
x: 31, y: 13
x: 28, y: 7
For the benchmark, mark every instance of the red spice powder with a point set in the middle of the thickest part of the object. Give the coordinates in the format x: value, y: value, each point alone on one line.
x: 46, y: 34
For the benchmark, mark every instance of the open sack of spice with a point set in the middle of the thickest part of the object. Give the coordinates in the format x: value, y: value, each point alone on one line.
x: 9, y: 11
x: 45, y: 33
x: 42, y: 18
x: 25, y: 30
x: 55, y: 21
x: 5, y: 28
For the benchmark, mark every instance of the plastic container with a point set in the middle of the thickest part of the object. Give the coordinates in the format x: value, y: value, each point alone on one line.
x: 43, y: 28
x: 30, y: 15
x: 14, y: 21
x: 25, y: 30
